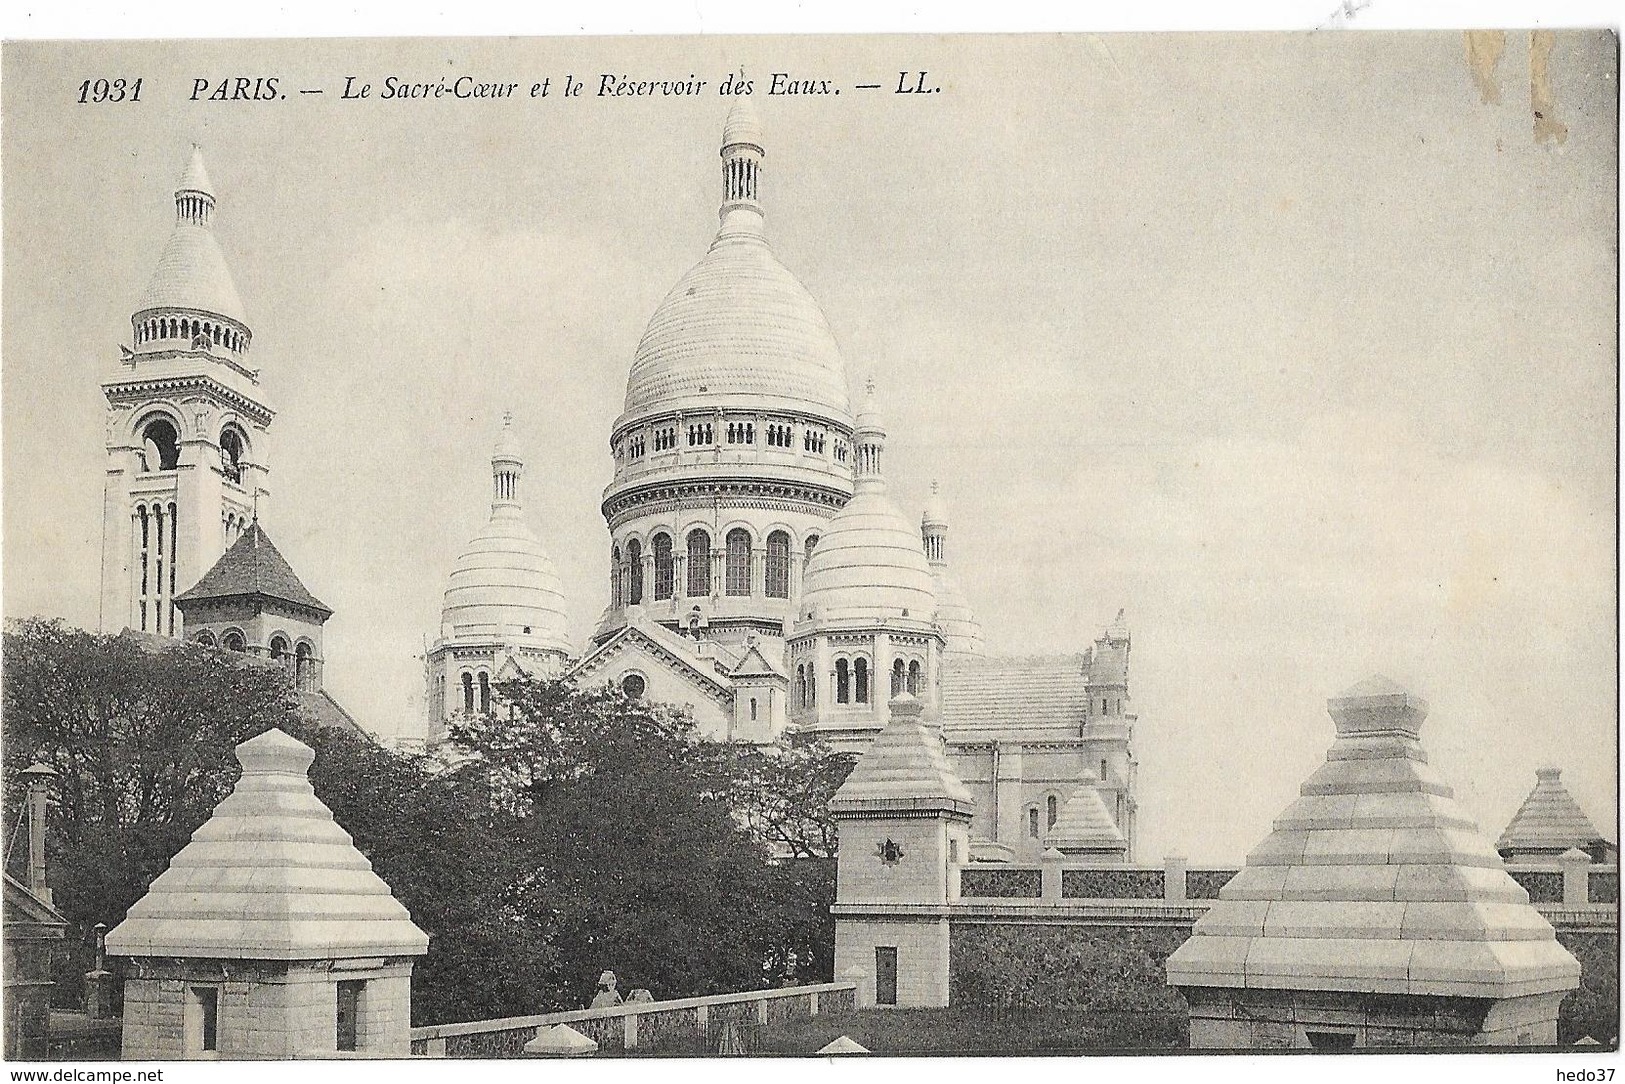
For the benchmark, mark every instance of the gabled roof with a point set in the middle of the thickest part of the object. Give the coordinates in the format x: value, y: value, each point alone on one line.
x: 1014, y: 695
x: 253, y: 566
x: 1549, y: 821
x: 758, y: 664
x: 269, y: 876
x: 905, y: 768
x: 678, y: 652
x: 23, y: 907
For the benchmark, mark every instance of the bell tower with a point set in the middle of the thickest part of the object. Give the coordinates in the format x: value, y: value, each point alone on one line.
x: 187, y: 426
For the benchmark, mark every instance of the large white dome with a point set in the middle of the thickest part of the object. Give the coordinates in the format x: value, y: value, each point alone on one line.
x: 955, y: 618
x: 738, y: 327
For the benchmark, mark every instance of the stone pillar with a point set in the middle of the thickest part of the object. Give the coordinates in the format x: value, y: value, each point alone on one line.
x: 1576, y: 877
x: 1173, y: 878
x: 758, y: 572
x: 679, y: 573
x: 646, y: 574
x: 1007, y: 788
x: 797, y: 560
x: 1050, y: 875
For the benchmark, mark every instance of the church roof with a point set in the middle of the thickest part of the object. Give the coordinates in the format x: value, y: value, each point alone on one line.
x: 319, y: 707
x: 253, y: 566
x: 1014, y: 695
x: 1084, y: 826
x: 191, y: 272
x: 738, y: 329
x: 1550, y: 821
x: 269, y: 876
x: 1375, y: 880
x: 905, y: 767
x: 757, y: 663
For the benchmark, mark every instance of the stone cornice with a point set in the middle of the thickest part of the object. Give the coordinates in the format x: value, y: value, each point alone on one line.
x: 118, y: 391
x: 735, y: 492
x: 616, y: 645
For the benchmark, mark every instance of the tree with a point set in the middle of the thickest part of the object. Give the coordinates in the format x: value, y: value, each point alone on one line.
x: 140, y: 733
x: 457, y: 864
x: 649, y: 859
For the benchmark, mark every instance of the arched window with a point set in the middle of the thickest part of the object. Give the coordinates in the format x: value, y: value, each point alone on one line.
x: 665, y: 566
x: 898, y: 679
x: 1032, y: 821
x: 778, y: 565
x: 634, y: 573
x: 801, y: 686
x: 280, y: 653
x: 160, y: 446
x: 860, y: 680
x: 615, y: 577
x: 843, y: 682
x: 699, y: 564
x: 485, y: 693
x: 468, y: 693
x: 1052, y: 805
x: 304, y: 663
x: 231, y: 454
x: 753, y: 709
x: 205, y: 638
x: 1103, y: 769
x: 233, y: 641
x: 914, y: 677
x: 812, y: 541
x: 737, y: 580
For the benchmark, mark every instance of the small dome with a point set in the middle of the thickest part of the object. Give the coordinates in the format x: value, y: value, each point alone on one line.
x: 192, y: 272
x: 954, y: 615
x: 504, y: 585
x: 868, y: 564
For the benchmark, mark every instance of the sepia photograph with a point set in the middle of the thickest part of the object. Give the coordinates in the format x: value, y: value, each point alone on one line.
x: 787, y: 546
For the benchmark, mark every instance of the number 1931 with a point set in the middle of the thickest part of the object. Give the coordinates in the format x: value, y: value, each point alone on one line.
x: 109, y: 90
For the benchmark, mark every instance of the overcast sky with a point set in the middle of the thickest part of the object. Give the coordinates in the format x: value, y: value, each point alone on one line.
x: 1293, y: 346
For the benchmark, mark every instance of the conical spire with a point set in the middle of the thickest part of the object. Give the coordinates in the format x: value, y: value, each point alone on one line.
x: 192, y: 277
x: 194, y: 196
x: 742, y: 155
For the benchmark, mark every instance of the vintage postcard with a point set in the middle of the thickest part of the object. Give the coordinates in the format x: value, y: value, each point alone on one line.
x: 810, y: 545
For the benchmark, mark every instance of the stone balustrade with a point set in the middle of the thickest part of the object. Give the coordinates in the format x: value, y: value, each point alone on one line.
x: 632, y: 1024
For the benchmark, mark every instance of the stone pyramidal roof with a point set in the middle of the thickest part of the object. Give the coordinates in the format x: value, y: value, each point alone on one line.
x: 1375, y: 880
x: 269, y: 876
x: 1550, y: 821
x: 905, y: 767
x: 253, y: 566
x: 1085, y: 826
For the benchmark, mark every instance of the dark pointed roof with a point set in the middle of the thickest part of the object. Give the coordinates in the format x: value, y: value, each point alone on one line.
x: 252, y: 566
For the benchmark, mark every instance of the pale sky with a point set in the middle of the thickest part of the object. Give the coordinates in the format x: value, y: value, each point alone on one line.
x: 1293, y: 346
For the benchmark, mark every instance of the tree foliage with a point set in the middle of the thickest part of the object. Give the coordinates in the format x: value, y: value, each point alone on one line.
x: 582, y: 830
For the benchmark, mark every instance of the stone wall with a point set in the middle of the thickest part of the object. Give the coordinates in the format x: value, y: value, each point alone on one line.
x: 1109, y: 883
x: 994, y: 882
x: 1103, y: 967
